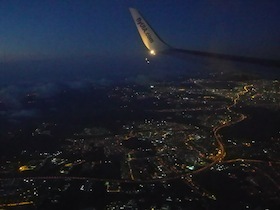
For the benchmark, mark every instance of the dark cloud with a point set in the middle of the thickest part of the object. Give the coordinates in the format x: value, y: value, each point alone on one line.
x: 10, y: 96
x: 24, y: 113
x: 14, y: 98
x: 45, y: 90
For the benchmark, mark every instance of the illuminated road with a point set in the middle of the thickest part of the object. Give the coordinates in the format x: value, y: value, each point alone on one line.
x: 221, y: 148
x: 16, y: 204
x: 222, y: 152
x: 129, y: 166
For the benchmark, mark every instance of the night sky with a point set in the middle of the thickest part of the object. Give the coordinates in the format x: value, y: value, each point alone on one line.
x: 67, y: 36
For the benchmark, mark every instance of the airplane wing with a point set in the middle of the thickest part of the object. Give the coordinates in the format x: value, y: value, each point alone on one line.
x: 149, y: 37
x: 156, y: 45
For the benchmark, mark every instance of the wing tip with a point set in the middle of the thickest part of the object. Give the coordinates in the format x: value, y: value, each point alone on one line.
x: 149, y: 37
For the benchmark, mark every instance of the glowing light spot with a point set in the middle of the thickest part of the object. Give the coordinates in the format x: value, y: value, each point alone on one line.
x: 153, y: 52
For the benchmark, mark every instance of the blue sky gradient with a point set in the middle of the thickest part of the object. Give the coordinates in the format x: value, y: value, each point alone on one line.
x: 95, y: 32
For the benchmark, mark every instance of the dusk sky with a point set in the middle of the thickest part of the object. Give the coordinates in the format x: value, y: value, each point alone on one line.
x: 103, y: 32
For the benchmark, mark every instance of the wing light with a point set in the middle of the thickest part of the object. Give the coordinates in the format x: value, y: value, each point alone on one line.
x: 152, y: 52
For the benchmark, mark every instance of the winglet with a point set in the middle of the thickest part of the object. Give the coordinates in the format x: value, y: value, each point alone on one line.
x: 149, y: 37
